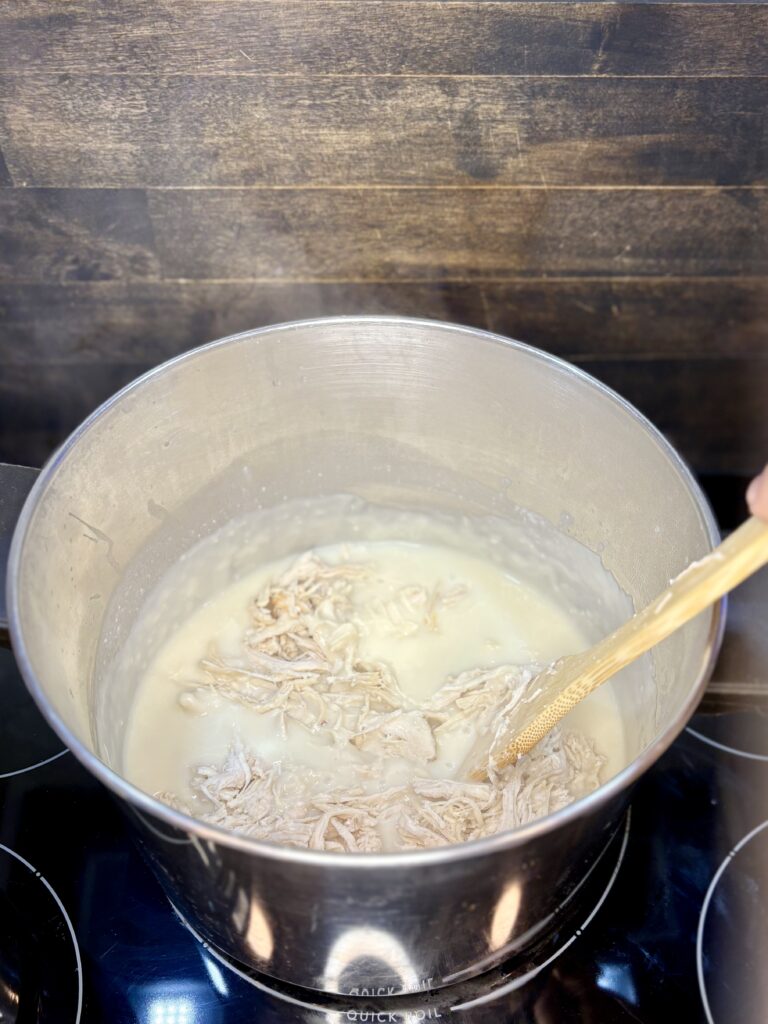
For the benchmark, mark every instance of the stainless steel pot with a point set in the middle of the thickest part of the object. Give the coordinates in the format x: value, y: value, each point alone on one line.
x: 400, y: 410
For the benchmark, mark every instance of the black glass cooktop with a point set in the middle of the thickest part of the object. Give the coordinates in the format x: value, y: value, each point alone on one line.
x: 675, y: 927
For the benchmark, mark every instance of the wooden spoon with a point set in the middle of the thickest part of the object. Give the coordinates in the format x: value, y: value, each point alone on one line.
x: 572, y: 679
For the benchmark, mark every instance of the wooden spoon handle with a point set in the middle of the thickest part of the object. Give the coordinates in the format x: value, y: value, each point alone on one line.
x: 700, y: 585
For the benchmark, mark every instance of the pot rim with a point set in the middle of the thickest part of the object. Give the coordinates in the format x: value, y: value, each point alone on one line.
x: 488, y: 845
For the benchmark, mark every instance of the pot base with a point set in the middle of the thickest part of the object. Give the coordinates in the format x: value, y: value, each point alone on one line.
x: 503, y: 982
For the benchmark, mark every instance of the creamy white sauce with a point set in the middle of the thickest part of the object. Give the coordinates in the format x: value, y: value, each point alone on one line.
x: 498, y: 621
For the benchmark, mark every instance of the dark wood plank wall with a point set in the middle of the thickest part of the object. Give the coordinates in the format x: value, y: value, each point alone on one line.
x: 589, y: 177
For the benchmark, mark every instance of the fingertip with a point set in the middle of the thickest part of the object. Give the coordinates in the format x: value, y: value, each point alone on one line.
x: 752, y: 492
x: 757, y: 495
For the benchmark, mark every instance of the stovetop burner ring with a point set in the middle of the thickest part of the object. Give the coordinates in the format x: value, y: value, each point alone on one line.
x: 705, y: 907
x: 40, y: 877
x: 31, y: 767
x: 725, y: 747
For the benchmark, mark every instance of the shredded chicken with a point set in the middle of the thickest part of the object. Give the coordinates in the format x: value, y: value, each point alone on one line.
x: 300, y: 662
x: 300, y: 656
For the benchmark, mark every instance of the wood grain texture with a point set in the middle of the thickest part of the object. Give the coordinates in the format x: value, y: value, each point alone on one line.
x: 40, y: 407
x: 714, y: 411
x: 458, y: 234
x: 143, y: 323
x: 387, y: 37
x: 5, y: 177
x: 54, y: 235
x: 102, y: 130
x: 75, y: 235
x: 186, y: 170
